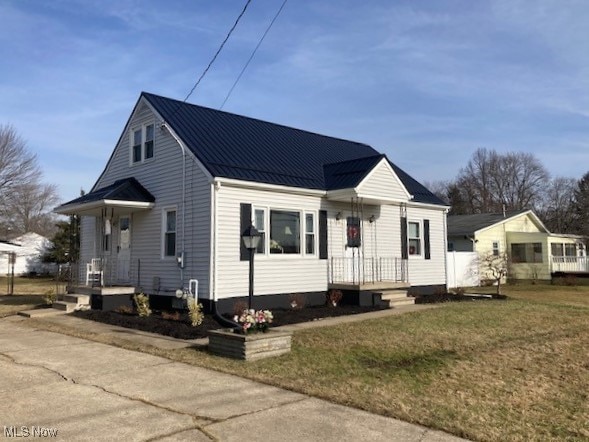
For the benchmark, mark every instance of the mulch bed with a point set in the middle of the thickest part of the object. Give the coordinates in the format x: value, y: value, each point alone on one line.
x: 182, y: 329
x: 451, y: 297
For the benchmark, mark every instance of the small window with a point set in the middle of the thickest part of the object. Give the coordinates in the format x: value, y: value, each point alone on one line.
x: 414, y: 237
x: 556, y: 249
x: 309, y: 234
x: 570, y: 250
x: 260, y: 225
x: 170, y: 233
x: 137, y: 146
x: 149, y: 141
x: 495, y: 248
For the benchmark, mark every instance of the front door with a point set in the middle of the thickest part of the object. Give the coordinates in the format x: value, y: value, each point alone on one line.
x: 124, y: 250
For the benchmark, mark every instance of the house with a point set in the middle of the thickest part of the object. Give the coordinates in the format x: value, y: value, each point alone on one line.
x: 184, y: 182
x: 534, y: 252
x: 29, y: 248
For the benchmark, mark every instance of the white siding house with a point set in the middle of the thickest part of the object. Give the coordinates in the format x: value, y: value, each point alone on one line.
x: 184, y: 181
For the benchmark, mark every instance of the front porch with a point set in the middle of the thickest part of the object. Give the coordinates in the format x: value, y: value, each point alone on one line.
x: 375, y: 272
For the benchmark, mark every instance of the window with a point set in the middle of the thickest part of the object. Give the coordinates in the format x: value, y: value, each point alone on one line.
x: 170, y: 232
x: 450, y: 247
x: 495, y: 248
x: 570, y: 250
x: 414, y: 237
x: 149, y: 141
x: 260, y: 225
x: 556, y: 249
x: 142, y: 143
x: 527, y: 252
x: 309, y: 234
x: 285, y: 232
x: 137, y: 145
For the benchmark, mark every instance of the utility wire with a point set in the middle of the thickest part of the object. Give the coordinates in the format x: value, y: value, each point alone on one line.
x: 252, y: 54
x: 215, y: 56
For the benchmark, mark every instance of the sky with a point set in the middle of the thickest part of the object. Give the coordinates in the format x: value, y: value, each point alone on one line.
x: 425, y: 82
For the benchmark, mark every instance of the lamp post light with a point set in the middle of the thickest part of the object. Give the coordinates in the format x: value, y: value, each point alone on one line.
x: 251, y: 238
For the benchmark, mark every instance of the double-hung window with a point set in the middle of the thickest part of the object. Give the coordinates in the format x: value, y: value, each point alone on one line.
x: 260, y: 225
x: 495, y: 248
x: 414, y: 237
x: 142, y: 143
x: 309, y: 233
x: 169, y: 232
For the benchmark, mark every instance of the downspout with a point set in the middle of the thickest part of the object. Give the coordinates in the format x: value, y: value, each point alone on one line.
x: 183, y: 216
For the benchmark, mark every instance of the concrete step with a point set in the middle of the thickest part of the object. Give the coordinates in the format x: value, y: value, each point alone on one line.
x: 67, y: 307
x: 391, y: 295
x: 78, y: 299
x: 41, y: 312
x: 400, y: 302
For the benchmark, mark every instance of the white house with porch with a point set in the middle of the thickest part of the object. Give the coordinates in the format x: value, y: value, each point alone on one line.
x: 184, y: 182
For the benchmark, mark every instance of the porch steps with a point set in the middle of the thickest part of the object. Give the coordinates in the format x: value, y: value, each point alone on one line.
x: 72, y: 302
x: 41, y: 312
x: 395, y: 298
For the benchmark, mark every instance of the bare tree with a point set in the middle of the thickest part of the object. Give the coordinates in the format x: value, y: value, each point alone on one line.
x: 557, y: 208
x: 25, y: 202
x: 491, y: 182
x: 17, y: 164
x: 439, y: 188
x: 495, y: 267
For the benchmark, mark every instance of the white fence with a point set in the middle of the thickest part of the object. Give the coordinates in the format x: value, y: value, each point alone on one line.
x: 463, y: 269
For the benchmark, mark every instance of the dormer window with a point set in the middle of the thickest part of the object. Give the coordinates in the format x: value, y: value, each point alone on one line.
x: 142, y: 143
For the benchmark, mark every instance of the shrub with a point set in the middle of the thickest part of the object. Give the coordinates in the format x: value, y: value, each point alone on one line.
x: 334, y: 297
x: 142, y: 304
x: 49, y: 297
x: 195, y: 312
x: 296, y: 301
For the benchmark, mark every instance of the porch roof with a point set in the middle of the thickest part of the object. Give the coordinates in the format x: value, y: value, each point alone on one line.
x: 123, y: 196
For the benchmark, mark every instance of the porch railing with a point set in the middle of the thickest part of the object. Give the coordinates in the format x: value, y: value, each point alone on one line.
x: 570, y: 264
x: 355, y: 270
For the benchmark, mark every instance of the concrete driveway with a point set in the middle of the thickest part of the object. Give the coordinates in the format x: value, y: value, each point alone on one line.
x: 90, y: 391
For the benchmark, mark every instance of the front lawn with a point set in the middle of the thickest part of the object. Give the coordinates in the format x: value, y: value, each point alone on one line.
x: 28, y: 294
x: 484, y: 370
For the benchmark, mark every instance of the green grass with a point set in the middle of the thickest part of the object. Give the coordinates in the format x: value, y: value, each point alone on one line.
x: 28, y: 293
x: 485, y: 370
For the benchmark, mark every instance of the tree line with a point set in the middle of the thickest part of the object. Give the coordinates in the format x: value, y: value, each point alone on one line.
x: 493, y: 182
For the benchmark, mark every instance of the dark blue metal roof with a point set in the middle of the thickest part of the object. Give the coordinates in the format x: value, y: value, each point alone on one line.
x: 126, y: 189
x: 234, y: 146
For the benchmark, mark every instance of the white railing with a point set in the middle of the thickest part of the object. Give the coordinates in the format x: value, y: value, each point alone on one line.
x: 570, y: 264
x: 367, y: 270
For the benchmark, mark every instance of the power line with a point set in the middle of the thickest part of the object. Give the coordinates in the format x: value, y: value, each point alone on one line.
x: 216, y: 55
x: 252, y: 54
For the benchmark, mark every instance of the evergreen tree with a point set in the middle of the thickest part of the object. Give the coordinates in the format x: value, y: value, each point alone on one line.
x: 66, y: 243
x: 582, y: 206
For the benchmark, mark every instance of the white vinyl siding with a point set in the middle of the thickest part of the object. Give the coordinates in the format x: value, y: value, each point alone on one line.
x: 274, y: 273
x: 382, y: 183
x: 163, y: 179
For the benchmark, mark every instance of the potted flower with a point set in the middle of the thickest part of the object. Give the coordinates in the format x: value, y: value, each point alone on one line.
x: 253, y: 340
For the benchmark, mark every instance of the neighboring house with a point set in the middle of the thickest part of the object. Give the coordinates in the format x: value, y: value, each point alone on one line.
x: 185, y: 181
x: 29, y: 249
x: 534, y: 252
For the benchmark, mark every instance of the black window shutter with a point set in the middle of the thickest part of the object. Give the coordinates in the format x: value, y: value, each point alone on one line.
x: 404, y: 251
x: 426, y: 246
x: 246, y: 220
x: 323, y: 234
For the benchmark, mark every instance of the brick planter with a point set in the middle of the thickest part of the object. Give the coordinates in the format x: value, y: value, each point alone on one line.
x: 249, y: 347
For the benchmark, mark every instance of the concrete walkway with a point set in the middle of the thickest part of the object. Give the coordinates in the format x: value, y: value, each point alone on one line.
x: 91, y: 391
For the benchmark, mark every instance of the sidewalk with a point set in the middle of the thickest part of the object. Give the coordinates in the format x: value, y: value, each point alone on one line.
x: 92, y: 391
